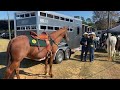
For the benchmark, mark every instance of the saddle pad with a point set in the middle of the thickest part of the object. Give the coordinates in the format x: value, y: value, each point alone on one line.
x: 36, y: 42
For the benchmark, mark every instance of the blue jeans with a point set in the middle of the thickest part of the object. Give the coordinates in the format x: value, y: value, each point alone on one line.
x: 91, y: 50
x: 84, y: 50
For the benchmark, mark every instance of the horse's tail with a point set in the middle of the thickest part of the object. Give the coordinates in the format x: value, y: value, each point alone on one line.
x: 9, y: 56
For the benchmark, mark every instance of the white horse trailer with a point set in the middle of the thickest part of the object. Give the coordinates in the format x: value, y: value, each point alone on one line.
x: 49, y: 21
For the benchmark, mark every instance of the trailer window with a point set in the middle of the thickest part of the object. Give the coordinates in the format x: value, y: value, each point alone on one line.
x: 22, y: 16
x: 71, y: 29
x: 22, y: 28
x: 56, y: 17
x: 42, y: 14
x: 17, y: 15
x: 33, y: 27
x: 42, y: 27
x: 50, y: 28
x: 27, y: 27
x: 33, y: 14
x: 61, y: 18
x: 18, y: 28
x: 67, y: 19
x: 50, y: 15
x: 56, y: 28
x: 71, y: 20
x: 27, y: 15
x: 78, y: 30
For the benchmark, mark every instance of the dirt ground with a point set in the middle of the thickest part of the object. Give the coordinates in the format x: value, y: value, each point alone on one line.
x: 100, y: 68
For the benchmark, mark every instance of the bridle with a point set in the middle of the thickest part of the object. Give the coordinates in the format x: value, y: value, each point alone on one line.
x: 50, y: 38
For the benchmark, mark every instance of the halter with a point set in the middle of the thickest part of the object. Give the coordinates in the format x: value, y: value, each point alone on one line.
x: 54, y: 39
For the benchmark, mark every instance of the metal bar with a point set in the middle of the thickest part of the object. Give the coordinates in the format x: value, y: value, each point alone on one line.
x: 9, y: 26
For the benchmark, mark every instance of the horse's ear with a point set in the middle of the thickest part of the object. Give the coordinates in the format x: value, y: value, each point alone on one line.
x: 33, y: 33
x: 65, y: 27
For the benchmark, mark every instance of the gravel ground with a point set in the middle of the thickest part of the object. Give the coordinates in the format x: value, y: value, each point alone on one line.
x: 100, y: 68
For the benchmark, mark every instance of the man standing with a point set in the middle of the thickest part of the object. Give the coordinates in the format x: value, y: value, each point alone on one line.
x: 84, y: 44
x: 91, y: 45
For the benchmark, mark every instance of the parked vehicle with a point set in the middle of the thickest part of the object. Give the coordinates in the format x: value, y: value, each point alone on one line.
x: 6, y: 35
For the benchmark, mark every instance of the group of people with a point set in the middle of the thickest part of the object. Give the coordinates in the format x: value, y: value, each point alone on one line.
x: 88, y: 43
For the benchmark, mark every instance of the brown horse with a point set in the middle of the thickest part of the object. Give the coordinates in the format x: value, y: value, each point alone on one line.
x: 19, y: 48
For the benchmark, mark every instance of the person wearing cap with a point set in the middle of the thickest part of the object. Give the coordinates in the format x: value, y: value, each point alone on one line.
x: 91, y: 45
x: 84, y: 44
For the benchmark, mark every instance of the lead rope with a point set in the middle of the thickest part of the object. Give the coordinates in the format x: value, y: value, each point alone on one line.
x: 38, y: 45
x: 52, y: 40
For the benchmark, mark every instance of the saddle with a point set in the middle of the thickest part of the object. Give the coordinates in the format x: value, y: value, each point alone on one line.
x: 42, y: 36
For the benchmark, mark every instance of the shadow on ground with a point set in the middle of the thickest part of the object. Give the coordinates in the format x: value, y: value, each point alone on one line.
x: 101, y: 50
x: 31, y: 74
x: 26, y: 63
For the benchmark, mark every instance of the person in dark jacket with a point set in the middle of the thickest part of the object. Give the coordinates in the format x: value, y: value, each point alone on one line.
x: 91, y: 46
x: 84, y: 44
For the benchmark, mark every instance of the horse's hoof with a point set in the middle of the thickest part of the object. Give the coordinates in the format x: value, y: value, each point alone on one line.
x: 46, y: 74
x: 51, y: 75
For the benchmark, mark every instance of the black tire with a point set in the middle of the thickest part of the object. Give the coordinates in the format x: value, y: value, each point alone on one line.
x: 67, y: 53
x: 59, y: 57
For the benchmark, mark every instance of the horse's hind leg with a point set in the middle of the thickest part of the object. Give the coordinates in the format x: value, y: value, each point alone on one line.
x: 17, y: 72
x: 11, y: 69
x: 7, y: 73
x: 110, y: 53
x: 113, y: 52
x: 114, y: 56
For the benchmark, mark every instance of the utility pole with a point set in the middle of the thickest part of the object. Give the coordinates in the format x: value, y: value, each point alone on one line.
x: 109, y: 55
x: 108, y: 20
x: 9, y: 26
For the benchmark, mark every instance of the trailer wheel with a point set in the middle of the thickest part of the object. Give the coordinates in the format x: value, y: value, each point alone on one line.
x: 59, y: 57
x: 67, y: 53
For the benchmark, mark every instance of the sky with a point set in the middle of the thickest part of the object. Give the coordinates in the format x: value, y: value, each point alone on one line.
x: 85, y: 14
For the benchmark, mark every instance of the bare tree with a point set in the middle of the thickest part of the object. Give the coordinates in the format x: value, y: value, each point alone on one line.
x: 100, y: 19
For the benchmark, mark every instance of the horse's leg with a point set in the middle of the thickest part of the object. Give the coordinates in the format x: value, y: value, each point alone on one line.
x: 51, y: 62
x: 17, y: 72
x: 113, y: 52
x: 46, y: 63
x: 115, y: 55
x: 108, y: 47
x: 110, y: 53
x: 11, y: 69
